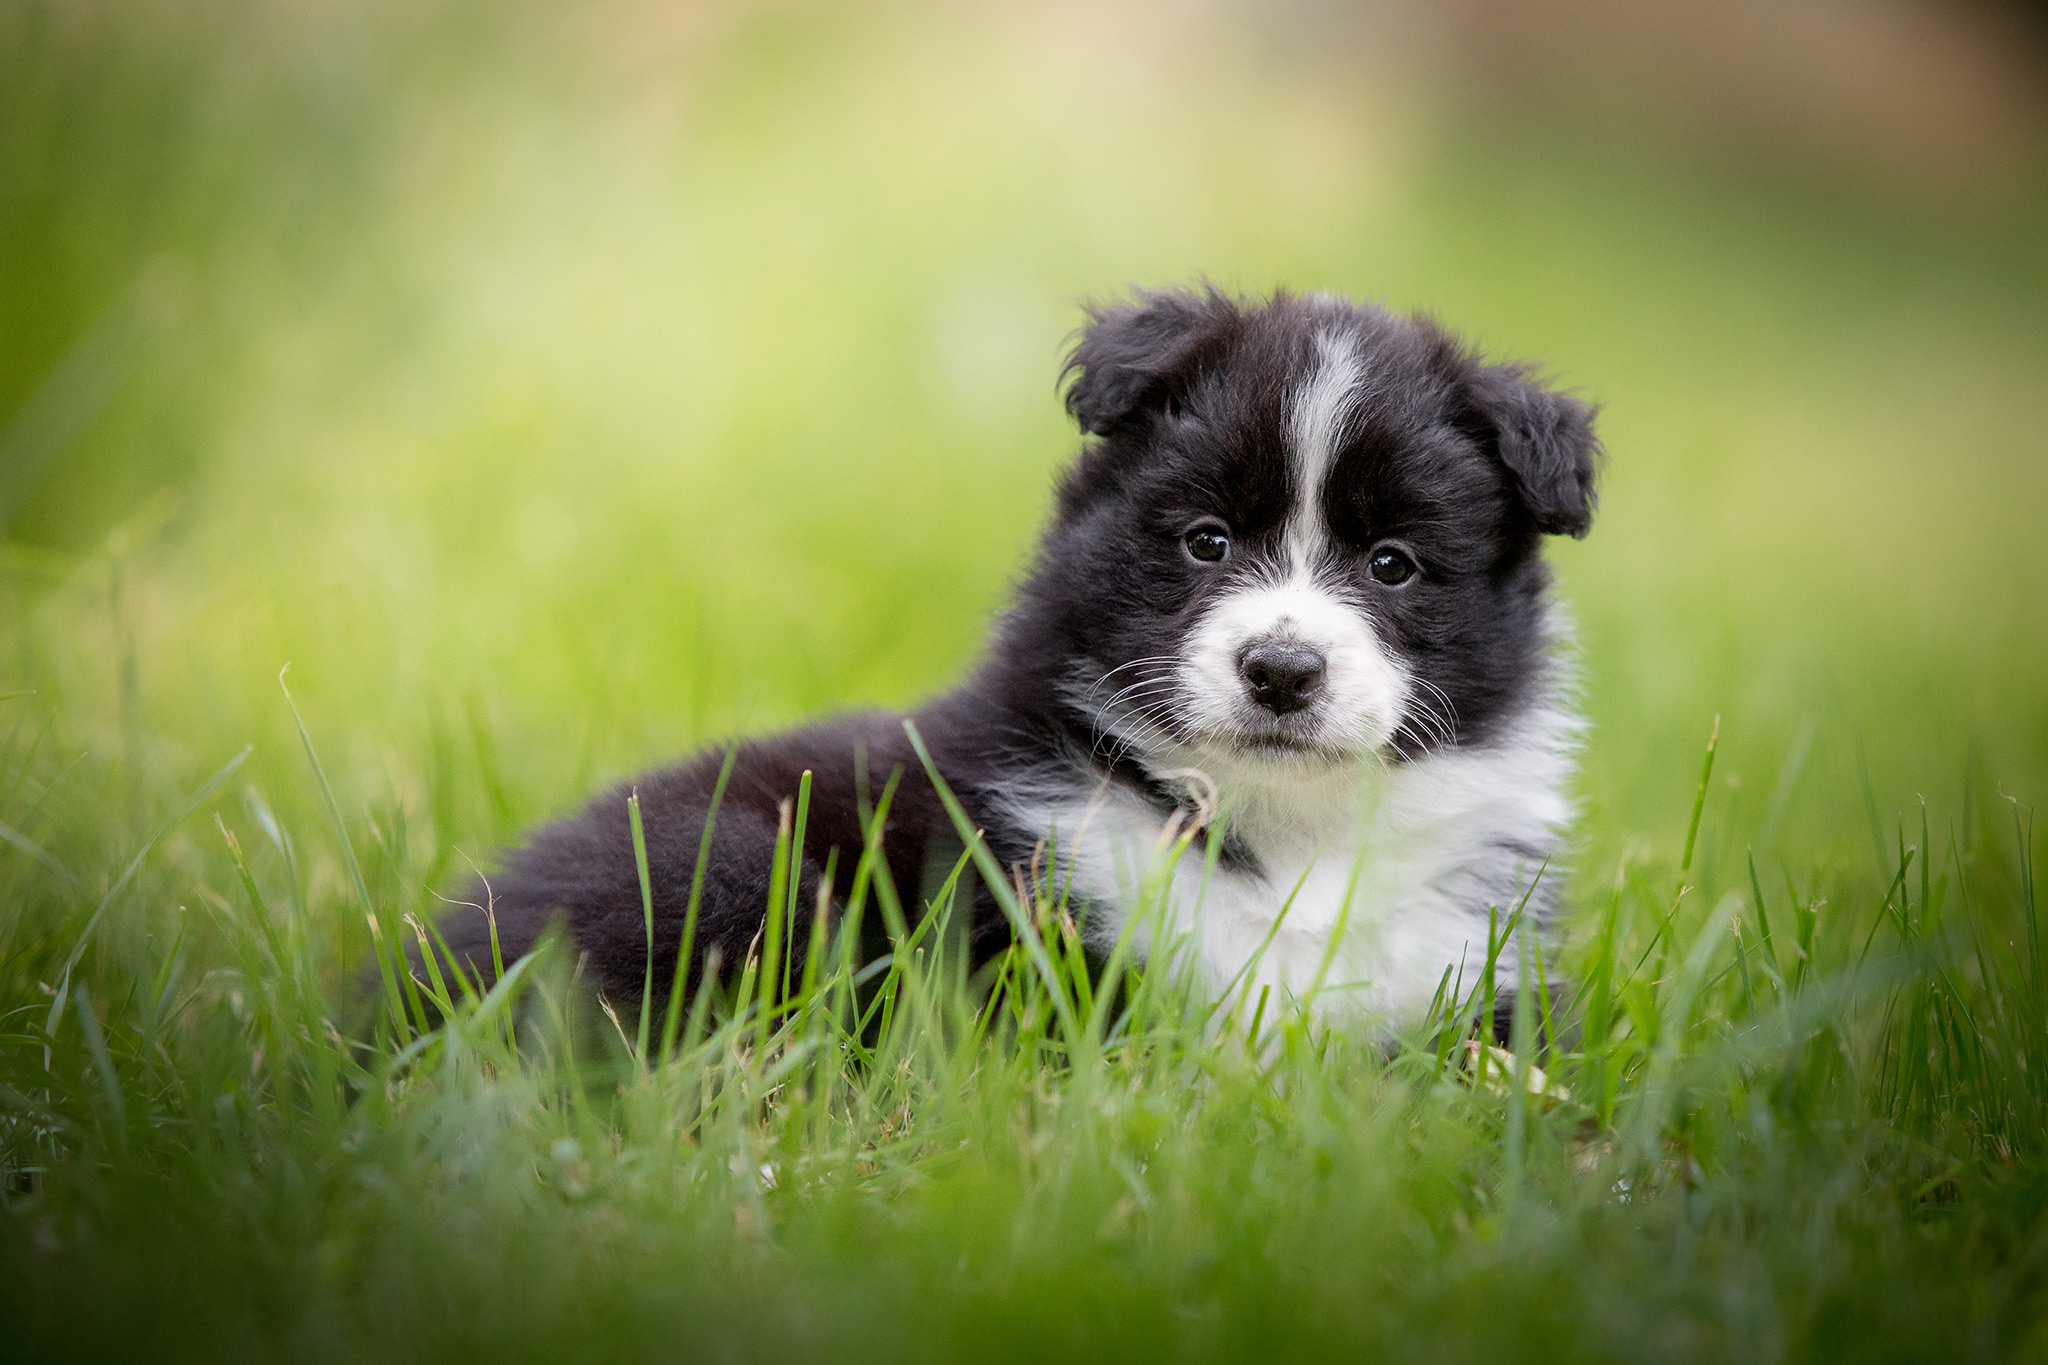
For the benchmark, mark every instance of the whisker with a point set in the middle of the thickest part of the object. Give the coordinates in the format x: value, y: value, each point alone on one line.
x: 1159, y: 659
x: 1147, y: 723
x: 1433, y: 728
x: 1138, y: 688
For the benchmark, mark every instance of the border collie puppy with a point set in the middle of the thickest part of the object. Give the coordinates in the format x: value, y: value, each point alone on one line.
x: 1292, y: 593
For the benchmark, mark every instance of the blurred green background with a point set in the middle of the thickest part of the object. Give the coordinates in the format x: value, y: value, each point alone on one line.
x: 557, y: 387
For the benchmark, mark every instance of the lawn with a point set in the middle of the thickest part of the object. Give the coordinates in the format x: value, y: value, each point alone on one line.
x: 554, y: 395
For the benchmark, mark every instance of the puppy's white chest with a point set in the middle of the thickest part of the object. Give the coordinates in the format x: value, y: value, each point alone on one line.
x: 1370, y: 901
x: 1352, y: 920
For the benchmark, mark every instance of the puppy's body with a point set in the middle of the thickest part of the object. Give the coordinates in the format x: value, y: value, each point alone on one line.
x: 1292, y: 591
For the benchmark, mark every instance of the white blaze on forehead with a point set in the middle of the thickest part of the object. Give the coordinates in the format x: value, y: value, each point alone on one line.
x: 1320, y: 412
x: 1365, y: 686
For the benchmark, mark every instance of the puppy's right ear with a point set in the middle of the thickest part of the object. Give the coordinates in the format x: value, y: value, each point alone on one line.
x: 1137, y: 356
x: 1545, y: 438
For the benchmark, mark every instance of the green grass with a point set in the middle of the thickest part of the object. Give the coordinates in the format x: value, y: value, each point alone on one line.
x: 555, y: 396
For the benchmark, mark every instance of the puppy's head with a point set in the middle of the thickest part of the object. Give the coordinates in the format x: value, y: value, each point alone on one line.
x: 1306, y: 531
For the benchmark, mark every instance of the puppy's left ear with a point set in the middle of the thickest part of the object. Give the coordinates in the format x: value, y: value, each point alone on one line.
x: 1546, y: 440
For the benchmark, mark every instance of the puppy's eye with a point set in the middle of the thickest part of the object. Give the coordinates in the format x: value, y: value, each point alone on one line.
x: 1207, y: 542
x: 1390, y: 566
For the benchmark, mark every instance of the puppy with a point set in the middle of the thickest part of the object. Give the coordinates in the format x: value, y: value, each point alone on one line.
x: 1292, y: 599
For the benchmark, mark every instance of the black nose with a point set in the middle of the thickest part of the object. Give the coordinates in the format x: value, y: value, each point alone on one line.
x: 1282, y: 677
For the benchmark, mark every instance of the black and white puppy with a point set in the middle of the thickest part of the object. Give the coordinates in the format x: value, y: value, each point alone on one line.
x: 1292, y: 590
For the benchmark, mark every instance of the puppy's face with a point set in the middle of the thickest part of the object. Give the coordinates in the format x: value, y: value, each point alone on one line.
x: 1308, y: 534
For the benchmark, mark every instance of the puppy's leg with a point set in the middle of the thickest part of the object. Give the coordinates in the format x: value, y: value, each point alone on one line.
x: 582, y: 871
